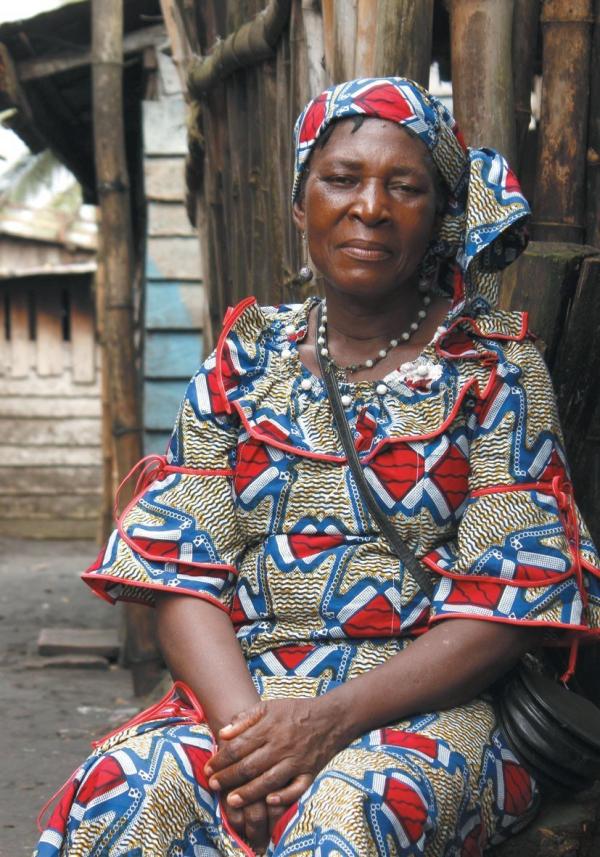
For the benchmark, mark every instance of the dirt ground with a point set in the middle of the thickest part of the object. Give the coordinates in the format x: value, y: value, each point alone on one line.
x: 48, y: 716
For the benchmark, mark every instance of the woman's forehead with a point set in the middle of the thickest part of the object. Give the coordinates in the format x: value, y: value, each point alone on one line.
x: 373, y: 141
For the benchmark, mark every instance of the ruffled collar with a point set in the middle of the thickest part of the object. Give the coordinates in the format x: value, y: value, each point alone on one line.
x: 280, y: 402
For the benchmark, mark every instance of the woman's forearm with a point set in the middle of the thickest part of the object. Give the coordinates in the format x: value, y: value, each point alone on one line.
x: 449, y: 665
x: 199, y: 645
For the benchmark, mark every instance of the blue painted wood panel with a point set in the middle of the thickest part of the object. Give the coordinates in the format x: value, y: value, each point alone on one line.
x: 172, y: 355
x: 161, y: 403
x: 156, y: 442
x: 174, y: 306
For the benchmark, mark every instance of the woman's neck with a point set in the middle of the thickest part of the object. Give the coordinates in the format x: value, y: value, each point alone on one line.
x: 363, y: 324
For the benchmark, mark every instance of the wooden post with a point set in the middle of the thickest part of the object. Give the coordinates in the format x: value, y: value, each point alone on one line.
x: 592, y: 235
x: 482, y: 76
x: 403, y: 39
x: 140, y: 649
x: 559, y: 192
x: 524, y: 38
x: 105, y: 523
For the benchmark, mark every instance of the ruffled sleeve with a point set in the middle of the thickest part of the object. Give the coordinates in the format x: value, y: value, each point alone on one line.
x: 522, y: 553
x: 179, y: 533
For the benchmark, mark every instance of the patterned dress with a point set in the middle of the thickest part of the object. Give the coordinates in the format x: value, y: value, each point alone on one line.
x: 255, y: 510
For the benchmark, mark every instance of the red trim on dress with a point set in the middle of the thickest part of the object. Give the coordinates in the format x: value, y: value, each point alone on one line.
x: 531, y: 623
x: 99, y: 582
x: 155, y: 467
x: 231, y: 316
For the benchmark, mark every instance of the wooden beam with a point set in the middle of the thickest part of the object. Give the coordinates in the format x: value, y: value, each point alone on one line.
x: 482, y: 76
x: 140, y: 651
x: 558, y: 209
x: 524, y: 38
x: 592, y: 235
x: 403, y: 39
x: 251, y: 43
x: 12, y: 97
x: 46, y: 66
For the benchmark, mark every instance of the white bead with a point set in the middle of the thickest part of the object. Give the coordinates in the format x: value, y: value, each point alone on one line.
x: 321, y: 340
x: 383, y: 352
x: 414, y: 326
x: 286, y: 353
x: 324, y: 352
x: 441, y: 329
x: 406, y: 336
x: 289, y: 329
x: 368, y: 363
x: 426, y: 300
x: 381, y: 389
x: 346, y: 400
x: 322, y: 328
x: 422, y: 313
x: 393, y: 342
x: 306, y: 383
x: 422, y: 371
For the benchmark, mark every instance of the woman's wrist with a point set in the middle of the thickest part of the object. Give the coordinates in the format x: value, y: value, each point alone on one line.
x: 336, y: 713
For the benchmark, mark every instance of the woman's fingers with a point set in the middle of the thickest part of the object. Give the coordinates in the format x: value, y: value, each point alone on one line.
x: 235, y: 818
x: 256, y: 823
x: 248, y: 768
x: 289, y: 794
x: 270, y: 782
x: 241, y: 722
x: 232, y: 752
x: 274, y: 814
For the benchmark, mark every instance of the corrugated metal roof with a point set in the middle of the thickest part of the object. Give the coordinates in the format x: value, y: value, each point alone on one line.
x: 41, y: 201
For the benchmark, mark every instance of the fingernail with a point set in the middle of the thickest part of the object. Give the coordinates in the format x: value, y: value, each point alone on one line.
x: 235, y: 800
x: 273, y: 799
x: 226, y: 727
x: 214, y: 783
x: 208, y: 770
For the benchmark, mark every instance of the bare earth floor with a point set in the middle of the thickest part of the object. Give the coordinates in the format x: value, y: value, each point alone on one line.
x: 48, y: 716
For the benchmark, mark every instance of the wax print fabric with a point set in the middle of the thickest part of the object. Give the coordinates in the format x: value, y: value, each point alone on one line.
x: 255, y: 509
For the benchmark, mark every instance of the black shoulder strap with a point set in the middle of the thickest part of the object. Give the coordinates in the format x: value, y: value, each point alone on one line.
x: 402, y: 551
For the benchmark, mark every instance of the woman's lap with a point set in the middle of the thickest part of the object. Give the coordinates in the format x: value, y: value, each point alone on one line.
x: 443, y: 785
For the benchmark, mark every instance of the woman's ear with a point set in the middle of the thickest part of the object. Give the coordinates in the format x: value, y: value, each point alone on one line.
x: 299, y: 214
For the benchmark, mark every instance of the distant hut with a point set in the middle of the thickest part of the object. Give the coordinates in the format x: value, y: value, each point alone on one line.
x: 49, y: 375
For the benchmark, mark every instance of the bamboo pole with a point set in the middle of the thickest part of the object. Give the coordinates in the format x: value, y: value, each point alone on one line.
x: 524, y: 38
x: 403, y: 39
x: 482, y: 77
x: 140, y: 650
x: 559, y: 187
x: 593, y: 152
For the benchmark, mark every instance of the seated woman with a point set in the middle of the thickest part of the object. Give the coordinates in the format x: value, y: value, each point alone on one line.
x: 324, y: 704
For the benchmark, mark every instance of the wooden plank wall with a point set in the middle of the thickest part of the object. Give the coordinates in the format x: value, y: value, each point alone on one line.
x: 174, y: 291
x: 49, y: 409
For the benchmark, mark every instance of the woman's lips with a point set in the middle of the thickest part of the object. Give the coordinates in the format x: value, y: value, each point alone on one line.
x: 366, y: 251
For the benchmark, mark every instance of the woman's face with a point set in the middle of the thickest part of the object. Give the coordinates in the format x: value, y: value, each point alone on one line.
x: 368, y: 207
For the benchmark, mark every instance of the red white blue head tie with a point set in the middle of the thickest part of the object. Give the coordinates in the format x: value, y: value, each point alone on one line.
x: 484, y: 218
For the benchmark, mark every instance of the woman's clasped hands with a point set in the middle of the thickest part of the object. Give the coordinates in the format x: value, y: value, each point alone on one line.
x: 267, y: 757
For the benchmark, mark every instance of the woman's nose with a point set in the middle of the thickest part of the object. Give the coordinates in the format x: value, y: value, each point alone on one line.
x: 370, y: 203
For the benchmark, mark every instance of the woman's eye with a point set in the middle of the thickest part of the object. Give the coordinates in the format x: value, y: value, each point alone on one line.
x: 341, y: 180
x: 404, y: 187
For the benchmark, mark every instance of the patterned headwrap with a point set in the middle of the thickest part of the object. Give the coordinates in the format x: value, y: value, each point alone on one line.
x: 482, y: 228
